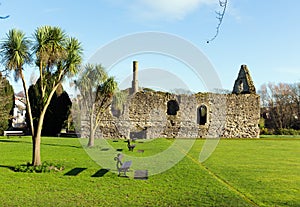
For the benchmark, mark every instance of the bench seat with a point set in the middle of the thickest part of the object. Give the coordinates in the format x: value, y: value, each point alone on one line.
x: 13, y: 133
x: 122, y: 167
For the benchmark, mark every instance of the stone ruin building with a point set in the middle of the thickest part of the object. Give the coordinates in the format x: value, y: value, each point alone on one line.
x: 154, y: 114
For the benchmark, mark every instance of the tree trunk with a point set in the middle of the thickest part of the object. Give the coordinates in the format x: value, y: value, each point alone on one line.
x: 36, y: 156
x: 42, y: 79
x: 92, y: 130
x: 92, y: 138
x: 36, y: 153
x: 28, y: 106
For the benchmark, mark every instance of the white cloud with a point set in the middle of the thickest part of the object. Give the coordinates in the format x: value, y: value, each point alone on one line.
x: 175, y: 9
x: 165, y: 9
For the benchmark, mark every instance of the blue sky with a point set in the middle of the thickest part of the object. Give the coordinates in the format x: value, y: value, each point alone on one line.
x: 262, y: 34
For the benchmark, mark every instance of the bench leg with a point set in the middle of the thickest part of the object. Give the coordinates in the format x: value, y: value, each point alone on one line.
x: 125, y: 171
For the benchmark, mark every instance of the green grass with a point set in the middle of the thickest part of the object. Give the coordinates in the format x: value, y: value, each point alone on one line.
x: 280, y: 136
x: 263, y: 172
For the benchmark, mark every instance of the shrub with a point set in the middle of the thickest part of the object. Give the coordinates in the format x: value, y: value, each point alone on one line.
x: 45, y: 167
x: 264, y: 131
x: 287, y: 132
x: 261, y: 123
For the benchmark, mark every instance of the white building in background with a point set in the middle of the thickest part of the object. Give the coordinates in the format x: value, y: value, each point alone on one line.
x: 19, y: 112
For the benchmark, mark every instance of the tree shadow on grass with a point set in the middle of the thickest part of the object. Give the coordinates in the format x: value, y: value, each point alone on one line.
x: 75, y: 171
x: 29, y: 142
x: 14, y: 141
x: 61, y: 145
x: 100, y: 173
x: 8, y: 167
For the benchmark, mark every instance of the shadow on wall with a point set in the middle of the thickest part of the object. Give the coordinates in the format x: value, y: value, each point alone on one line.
x: 139, y: 135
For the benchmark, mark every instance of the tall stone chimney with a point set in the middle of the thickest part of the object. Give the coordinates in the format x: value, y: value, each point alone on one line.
x: 135, y: 84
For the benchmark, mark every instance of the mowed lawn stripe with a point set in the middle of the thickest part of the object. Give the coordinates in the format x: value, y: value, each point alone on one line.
x: 219, y: 179
x: 263, y: 169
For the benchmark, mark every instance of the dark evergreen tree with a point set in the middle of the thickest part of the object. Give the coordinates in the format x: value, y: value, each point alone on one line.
x: 57, y: 113
x: 6, y: 103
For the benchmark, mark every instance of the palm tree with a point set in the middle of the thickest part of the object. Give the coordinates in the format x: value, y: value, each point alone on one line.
x: 73, y: 58
x: 40, y: 49
x: 103, y: 99
x: 49, y: 50
x: 57, y: 58
x: 15, y: 50
x: 97, y: 91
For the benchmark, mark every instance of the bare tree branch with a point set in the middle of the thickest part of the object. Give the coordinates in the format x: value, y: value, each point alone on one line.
x: 220, y: 17
x: 5, y: 17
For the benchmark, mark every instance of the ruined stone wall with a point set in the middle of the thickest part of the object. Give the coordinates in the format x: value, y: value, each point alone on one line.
x: 242, y: 116
x: 158, y: 114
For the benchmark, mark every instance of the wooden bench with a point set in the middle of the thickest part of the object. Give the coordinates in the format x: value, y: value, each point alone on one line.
x: 122, y: 167
x: 13, y: 133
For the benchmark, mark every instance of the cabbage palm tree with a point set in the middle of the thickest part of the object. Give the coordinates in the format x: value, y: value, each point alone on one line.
x: 97, y: 91
x: 15, y: 50
x: 103, y: 99
x: 49, y: 49
x: 57, y: 58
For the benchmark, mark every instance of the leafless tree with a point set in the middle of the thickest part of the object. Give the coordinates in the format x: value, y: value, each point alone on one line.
x: 280, y: 105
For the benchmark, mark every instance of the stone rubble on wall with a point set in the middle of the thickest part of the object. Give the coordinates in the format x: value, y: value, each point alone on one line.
x: 145, y: 116
x: 217, y: 116
x: 242, y: 116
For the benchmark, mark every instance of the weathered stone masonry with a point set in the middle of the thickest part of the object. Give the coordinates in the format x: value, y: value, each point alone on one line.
x: 207, y: 115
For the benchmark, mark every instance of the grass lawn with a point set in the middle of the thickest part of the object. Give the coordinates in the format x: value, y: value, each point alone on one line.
x: 280, y: 136
x: 254, y: 172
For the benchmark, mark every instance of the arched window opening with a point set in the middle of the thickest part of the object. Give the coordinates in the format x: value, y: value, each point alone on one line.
x: 202, y: 115
x: 173, y: 107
